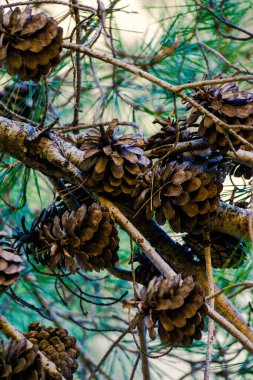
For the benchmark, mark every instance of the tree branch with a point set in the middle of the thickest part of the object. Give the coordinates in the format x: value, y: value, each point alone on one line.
x: 233, y: 221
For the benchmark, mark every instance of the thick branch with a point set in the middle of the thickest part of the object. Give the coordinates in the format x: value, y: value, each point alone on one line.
x: 242, y: 156
x: 233, y: 221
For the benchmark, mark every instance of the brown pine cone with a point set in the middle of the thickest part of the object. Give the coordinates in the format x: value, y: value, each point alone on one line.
x: 230, y: 105
x: 17, y: 362
x: 85, y: 238
x: 111, y: 163
x: 168, y: 134
x: 226, y: 251
x: 184, y: 195
x: 145, y: 271
x: 176, y: 307
x: 11, y: 265
x: 240, y: 170
x: 30, y: 44
x: 57, y: 346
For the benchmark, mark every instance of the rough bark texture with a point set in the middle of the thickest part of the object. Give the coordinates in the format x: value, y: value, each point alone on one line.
x: 233, y: 221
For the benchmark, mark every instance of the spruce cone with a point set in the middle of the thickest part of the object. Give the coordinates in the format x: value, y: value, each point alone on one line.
x: 10, y: 267
x: 176, y: 306
x: 230, y: 105
x: 184, y: 195
x: 226, y: 251
x: 112, y: 163
x: 168, y: 134
x: 30, y: 44
x: 57, y: 346
x: 85, y: 238
x: 19, y: 363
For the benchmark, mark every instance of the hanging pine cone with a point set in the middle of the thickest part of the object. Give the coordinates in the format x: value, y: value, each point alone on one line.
x: 242, y: 204
x: 11, y: 265
x: 226, y: 251
x: 230, y: 105
x: 169, y: 134
x: 242, y: 171
x: 112, y: 163
x: 85, y: 238
x: 57, y: 346
x: 17, y: 362
x: 184, y: 195
x: 30, y: 44
x: 145, y: 271
x: 176, y: 307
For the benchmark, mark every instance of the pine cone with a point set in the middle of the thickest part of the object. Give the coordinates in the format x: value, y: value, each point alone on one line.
x: 17, y: 362
x: 240, y: 170
x: 230, y: 105
x: 11, y: 265
x: 176, y: 307
x: 85, y: 238
x: 112, y: 163
x: 57, y: 346
x: 168, y: 134
x: 146, y: 271
x: 242, y: 204
x: 30, y: 44
x: 184, y: 195
x: 226, y: 251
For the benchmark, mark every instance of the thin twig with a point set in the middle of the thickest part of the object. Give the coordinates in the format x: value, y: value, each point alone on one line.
x: 135, y: 367
x: 143, y: 345
x: 174, y: 89
x: 228, y: 326
x: 108, y: 352
x: 246, y: 285
x: 70, y: 128
x: 209, y: 270
x: 78, y: 68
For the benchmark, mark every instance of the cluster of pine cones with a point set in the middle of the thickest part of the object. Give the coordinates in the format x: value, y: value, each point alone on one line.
x: 18, y: 362
x: 181, y: 189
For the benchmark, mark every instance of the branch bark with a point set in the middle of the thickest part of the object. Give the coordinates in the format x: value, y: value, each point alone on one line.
x: 233, y: 221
